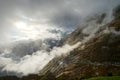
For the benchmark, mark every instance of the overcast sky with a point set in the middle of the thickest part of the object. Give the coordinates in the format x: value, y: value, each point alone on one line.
x: 61, y: 13
x: 41, y: 19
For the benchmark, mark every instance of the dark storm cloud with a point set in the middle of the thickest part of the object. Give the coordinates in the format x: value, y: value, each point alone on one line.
x: 54, y: 7
x: 62, y: 13
x: 65, y: 13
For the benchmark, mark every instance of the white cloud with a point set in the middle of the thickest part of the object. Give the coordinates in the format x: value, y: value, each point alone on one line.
x: 42, y: 19
x: 66, y: 14
x: 35, y: 62
x: 36, y: 31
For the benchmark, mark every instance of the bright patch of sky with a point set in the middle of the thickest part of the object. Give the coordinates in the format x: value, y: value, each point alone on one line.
x: 30, y: 29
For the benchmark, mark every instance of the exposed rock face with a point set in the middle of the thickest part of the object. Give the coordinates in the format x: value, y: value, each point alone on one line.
x: 80, y: 33
x: 116, y: 22
x: 99, y: 56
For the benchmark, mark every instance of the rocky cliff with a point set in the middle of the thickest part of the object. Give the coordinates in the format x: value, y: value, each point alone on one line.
x: 98, y: 55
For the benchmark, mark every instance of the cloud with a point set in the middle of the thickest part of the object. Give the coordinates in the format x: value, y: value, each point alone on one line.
x: 61, y: 13
x: 35, y: 62
x: 46, y: 19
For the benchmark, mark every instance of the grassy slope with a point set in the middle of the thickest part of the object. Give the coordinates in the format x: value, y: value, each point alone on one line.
x: 106, y: 78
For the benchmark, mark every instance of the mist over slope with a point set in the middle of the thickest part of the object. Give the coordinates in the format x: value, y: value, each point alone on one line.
x: 92, y: 50
x: 34, y: 46
x: 97, y: 55
x: 29, y: 57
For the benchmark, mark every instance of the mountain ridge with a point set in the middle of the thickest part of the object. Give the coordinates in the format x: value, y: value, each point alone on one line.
x: 97, y: 55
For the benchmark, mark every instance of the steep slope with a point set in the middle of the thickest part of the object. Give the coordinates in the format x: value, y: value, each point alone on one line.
x: 80, y: 33
x: 98, y: 55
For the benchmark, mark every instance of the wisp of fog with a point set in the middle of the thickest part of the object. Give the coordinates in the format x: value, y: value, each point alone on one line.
x: 32, y: 29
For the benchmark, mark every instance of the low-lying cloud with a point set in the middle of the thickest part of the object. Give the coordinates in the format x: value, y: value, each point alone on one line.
x: 47, y: 21
x: 35, y: 62
x: 66, y: 14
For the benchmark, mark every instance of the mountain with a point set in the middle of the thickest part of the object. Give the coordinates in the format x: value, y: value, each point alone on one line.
x: 97, y: 55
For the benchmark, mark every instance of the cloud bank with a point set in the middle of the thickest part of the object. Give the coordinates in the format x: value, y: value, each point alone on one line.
x: 45, y: 21
x: 33, y: 63
x: 66, y: 14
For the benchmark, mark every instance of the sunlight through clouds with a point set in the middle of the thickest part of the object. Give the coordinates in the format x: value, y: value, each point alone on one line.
x: 32, y: 30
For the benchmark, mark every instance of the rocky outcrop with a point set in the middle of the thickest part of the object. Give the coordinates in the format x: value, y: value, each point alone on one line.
x: 98, y: 56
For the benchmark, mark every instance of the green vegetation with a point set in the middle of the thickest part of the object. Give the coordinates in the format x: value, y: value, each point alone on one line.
x: 106, y: 78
